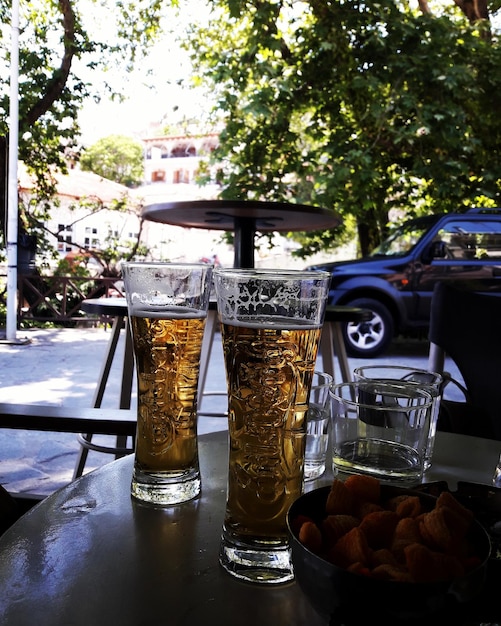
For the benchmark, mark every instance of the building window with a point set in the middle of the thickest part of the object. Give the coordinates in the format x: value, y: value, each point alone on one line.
x: 158, y: 176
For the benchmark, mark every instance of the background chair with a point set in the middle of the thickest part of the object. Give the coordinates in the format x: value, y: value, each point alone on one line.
x: 466, y: 325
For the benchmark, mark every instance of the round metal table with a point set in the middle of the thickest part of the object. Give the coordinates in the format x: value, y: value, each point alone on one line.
x: 244, y: 218
x: 89, y: 555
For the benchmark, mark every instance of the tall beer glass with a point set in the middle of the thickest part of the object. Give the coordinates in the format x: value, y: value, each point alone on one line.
x: 167, y: 306
x: 271, y: 322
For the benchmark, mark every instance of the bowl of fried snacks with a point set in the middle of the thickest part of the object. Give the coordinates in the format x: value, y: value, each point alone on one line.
x: 363, y: 550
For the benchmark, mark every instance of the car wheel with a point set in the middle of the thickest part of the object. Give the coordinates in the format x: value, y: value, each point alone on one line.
x: 370, y: 338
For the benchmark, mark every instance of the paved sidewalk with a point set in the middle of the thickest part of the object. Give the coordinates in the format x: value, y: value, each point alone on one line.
x: 61, y: 366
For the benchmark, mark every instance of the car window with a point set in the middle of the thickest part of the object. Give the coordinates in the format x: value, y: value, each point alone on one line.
x: 471, y: 240
x: 402, y: 240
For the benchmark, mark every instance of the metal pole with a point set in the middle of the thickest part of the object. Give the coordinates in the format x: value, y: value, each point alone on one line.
x: 12, y: 198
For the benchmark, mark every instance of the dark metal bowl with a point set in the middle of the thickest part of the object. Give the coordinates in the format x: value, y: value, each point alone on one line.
x: 347, y: 598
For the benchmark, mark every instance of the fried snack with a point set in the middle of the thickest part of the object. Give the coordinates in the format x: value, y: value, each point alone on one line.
x: 352, y: 547
x: 358, y: 568
x: 426, y: 565
x: 393, y: 503
x: 420, y: 561
x: 384, y: 556
x: 297, y: 522
x: 335, y: 526
x: 407, y: 532
x: 364, y: 488
x: 444, y: 529
x: 410, y: 506
x: 311, y: 537
x: 379, y: 528
x: 361, y: 509
x: 446, y: 499
x: 399, y: 539
x: 339, y: 500
x: 391, y: 572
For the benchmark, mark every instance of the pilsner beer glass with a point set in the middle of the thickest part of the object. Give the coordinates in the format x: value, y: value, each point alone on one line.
x: 271, y: 322
x: 167, y: 306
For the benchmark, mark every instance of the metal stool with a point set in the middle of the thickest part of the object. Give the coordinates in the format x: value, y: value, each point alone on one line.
x: 332, y: 342
x: 211, y: 326
x: 117, y: 308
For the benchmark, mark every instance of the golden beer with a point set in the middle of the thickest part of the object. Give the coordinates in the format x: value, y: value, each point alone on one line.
x: 269, y: 368
x: 167, y: 354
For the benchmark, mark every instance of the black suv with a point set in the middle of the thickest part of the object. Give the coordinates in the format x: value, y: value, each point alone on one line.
x: 395, y: 282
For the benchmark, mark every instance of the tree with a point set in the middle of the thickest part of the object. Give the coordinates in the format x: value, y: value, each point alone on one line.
x: 358, y: 107
x: 117, y: 158
x: 54, y: 41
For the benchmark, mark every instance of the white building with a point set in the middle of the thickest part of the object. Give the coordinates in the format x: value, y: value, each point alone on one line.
x: 171, y: 167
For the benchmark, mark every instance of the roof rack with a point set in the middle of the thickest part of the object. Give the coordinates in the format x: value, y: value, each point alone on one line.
x: 485, y: 210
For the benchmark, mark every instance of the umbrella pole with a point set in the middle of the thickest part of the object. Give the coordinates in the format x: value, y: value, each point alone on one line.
x: 12, y: 198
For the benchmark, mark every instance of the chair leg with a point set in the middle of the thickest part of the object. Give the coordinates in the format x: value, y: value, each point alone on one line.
x: 82, y: 457
x: 127, y: 369
x: 121, y: 442
x: 110, y: 355
x: 436, y: 358
x: 340, y: 349
x: 125, y: 391
x: 332, y: 347
x: 210, y: 329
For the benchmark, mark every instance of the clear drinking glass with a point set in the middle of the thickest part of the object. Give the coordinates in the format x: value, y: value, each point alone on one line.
x: 318, y: 422
x: 380, y: 429
x: 167, y: 307
x: 429, y: 381
x: 271, y: 323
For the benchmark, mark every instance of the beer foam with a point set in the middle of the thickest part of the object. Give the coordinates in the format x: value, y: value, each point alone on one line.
x: 166, y: 312
x: 276, y: 322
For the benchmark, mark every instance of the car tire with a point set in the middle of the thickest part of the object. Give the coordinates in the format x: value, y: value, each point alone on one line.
x: 371, y: 338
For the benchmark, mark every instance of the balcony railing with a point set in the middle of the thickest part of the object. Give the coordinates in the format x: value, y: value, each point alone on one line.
x: 58, y: 298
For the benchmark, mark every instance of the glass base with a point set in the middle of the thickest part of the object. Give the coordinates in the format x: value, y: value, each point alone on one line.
x: 313, y: 470
x: 387, y: 460
x: 165, y: 488
x: 265, y: 562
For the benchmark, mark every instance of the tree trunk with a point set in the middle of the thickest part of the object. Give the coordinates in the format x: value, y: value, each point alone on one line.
x: 371, y: 230
x: 54, y: 88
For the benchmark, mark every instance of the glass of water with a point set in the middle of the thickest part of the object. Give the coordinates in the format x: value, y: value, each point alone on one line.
x: 318, y: 421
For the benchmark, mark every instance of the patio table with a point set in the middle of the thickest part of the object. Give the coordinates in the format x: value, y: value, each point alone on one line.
x: 243, y: 218
x: 89, y: 554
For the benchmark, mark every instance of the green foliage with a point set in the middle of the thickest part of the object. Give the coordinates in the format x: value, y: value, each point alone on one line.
x: 61, y: 47
x: 116, y: 158
x: 360, y: 108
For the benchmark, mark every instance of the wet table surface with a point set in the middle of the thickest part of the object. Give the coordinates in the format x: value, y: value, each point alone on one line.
x: 90, y: 555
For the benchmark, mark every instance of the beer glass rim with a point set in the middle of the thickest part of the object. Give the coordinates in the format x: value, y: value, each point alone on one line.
x: 404, y: 390
x: 271, y: 273
x: 165, y: 264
